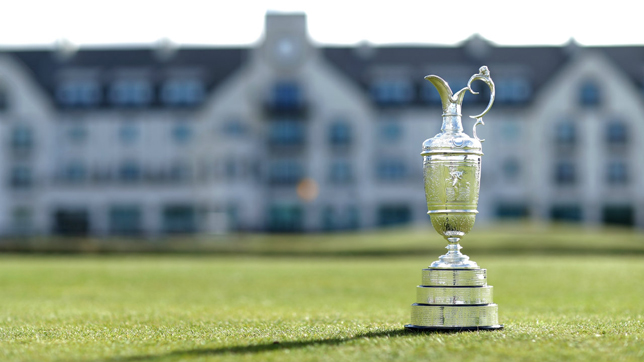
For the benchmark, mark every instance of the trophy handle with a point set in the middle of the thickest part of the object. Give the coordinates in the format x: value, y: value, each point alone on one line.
x: 483, y: 75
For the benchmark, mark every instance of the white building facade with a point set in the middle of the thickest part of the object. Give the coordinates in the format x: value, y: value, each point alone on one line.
x: 290, y: 136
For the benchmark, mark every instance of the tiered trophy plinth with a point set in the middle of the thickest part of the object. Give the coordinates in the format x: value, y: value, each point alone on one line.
x: 454, y: 299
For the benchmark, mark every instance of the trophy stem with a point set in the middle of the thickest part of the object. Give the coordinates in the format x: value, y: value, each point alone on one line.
x: 454, y: 259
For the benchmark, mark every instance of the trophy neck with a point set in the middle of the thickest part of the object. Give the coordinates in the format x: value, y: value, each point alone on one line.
x: 452, y: 123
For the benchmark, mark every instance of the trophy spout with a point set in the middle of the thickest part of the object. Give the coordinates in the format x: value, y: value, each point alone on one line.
x: 451, y: 102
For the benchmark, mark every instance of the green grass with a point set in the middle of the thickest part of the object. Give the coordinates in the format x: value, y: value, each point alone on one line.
x: 583, y: 303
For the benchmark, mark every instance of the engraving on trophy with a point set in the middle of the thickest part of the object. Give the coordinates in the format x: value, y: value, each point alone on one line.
x: 454, y: 293
x: 455, y: 175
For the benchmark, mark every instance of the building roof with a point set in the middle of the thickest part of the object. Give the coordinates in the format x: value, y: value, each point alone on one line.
x: 359, y: 63
x: 538, y: 63
x: 212, y: 65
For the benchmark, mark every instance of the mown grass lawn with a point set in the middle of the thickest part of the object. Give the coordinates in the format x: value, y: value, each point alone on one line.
x: 585, y: 306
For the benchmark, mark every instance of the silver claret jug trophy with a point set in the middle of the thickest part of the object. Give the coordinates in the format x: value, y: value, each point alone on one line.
x: 454, y: 294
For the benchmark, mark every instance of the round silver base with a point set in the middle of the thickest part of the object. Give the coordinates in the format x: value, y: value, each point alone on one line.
x: 454, y: 277
x: 455, y: 316
x: 454, y: 295
x: 415, y: 328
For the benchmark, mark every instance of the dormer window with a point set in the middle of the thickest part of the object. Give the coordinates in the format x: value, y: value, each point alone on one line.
x: 392, y: 92
x: 513, y: 91
x: 79, y: 93
x: 131, y: 93
x: 286, y: 96
x: 182, y: 92
x: 589, y: 94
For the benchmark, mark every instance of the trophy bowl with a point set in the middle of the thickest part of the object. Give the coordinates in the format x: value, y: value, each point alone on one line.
x: 452, y: 184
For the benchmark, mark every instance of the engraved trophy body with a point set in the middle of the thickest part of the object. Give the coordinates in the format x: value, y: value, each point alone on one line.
x: 454, y: 294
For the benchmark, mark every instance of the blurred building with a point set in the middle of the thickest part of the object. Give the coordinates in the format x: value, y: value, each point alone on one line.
x: 293, y: 136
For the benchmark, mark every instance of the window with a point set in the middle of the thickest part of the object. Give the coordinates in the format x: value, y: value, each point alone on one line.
x: 617, y: 173
x: 22, y: 219
x: 347, y: 219
x: 75, y: 172
x: 22, y: 138
x: 343, y: 219
x: 182, y: 92
x: 511, y: 211
x: 390, y: 215
x: 128, y: 133
x: 341, y: 172
x: 286, y: 133
x: 568, y: 213
x: 179, y: 219
x: 328, y: 218
x: 131, y: 92
x: 125, y: 220
x: 340, y: 134
x: 511, y: 169
x: 4, y: 99
x: 79, y: 93
x: 565, y: 133
x: 565, y: 173
x: 285, y: 172
x: 234, y: 127
x: 389, y: 132
x: 285, y: 218
x: 619, y: 215
x: 129, y: 171
x: 390, y: 170
x: 180, y: 172
x: 181, y: 133
x: 513, y: 91
x: 77, y: 134
x: 21, y: 177
x: 510, y: 130
x: 392, y: 92
x: 616, y: 133
x: 589, y: 94
x: 231, y: 168
x: 286, y: 96
x: 71, y: 221
x: 353, y: 218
